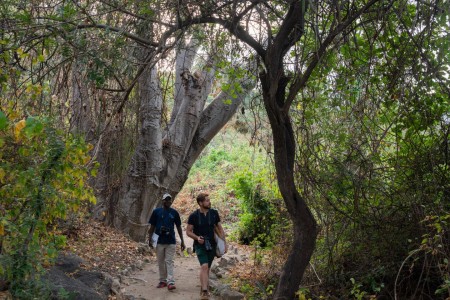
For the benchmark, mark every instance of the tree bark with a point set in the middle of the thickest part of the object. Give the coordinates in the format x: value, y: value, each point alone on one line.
x: 304, y: 225
x: 274, y: 83
x: 80, y: 118
x: 164, y: 156
x: 131, y: 210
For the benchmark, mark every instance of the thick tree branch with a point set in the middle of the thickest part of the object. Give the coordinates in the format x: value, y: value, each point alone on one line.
x: 213, y: 118
x: 182, y: 130
x: 184, y: 60
x: 233, y: 27
x: 292, y: 27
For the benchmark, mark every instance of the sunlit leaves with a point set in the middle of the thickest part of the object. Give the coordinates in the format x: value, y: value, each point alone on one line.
x: 43, y: 178
x: 230, y: 75
x: 18, y: 128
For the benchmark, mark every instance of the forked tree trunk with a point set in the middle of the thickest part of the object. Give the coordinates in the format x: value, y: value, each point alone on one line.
x: 164, y: 156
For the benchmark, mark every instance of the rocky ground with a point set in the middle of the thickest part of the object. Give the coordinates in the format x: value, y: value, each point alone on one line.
x: 124, y: 269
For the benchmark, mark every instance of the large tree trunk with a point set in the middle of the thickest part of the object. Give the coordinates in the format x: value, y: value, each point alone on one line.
x: 142, y: 179
x: 164, y: 156
x: 80, y: 105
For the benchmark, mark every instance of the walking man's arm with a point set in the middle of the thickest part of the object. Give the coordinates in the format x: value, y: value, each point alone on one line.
x: 180, y: 232
x: 190, y: 233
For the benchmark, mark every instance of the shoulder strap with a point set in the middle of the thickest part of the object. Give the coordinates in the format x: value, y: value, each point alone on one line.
x: 210, y: 212
x: 215, y: 214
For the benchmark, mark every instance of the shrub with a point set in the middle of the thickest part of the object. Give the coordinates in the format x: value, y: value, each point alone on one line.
x: 259, y: 208
x: 43, y: 177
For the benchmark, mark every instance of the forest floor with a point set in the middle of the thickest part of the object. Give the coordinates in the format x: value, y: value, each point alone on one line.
x: 106, y: 249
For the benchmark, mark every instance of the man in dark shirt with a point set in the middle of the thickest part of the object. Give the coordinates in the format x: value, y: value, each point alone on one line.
x: 200, y: 228
x: 162, y: 223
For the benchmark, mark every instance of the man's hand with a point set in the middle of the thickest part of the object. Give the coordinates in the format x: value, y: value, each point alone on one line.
x: 150, y: 236
x: 182, y: 246
x: 201, y: 240
x: 150, y: 242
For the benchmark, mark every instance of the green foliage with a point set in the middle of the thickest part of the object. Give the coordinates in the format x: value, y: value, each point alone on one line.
x: 259, y: 207
x: 373, y: 129
x: 374, y: 142
x: 211, y: 162
x: 247, y: 289
x: 242, y: 186
x: 434, y: 247
x: 43, y: 177
x: 232, y: 74
x: 356, y: 290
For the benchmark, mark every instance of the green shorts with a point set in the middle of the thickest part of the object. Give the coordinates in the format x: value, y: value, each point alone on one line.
x: 205, y: 257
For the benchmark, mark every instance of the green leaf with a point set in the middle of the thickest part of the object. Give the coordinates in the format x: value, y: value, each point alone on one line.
x: 33, y: 127
x: 3, y: 121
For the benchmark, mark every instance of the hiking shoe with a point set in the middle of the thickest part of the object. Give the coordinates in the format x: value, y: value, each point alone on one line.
x: 161, y: 284
x: 171, y: 286
x: 204, y: 295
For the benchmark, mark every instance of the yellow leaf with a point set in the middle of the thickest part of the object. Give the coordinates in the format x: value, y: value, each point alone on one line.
x: 2, y: 230
x: 2, y: 175
x: 18, y: 128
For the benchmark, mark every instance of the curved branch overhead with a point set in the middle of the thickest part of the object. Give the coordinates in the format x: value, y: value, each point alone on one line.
x: 233, y: 27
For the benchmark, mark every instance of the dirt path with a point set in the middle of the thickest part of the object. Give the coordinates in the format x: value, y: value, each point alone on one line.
x: 142, y: 284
